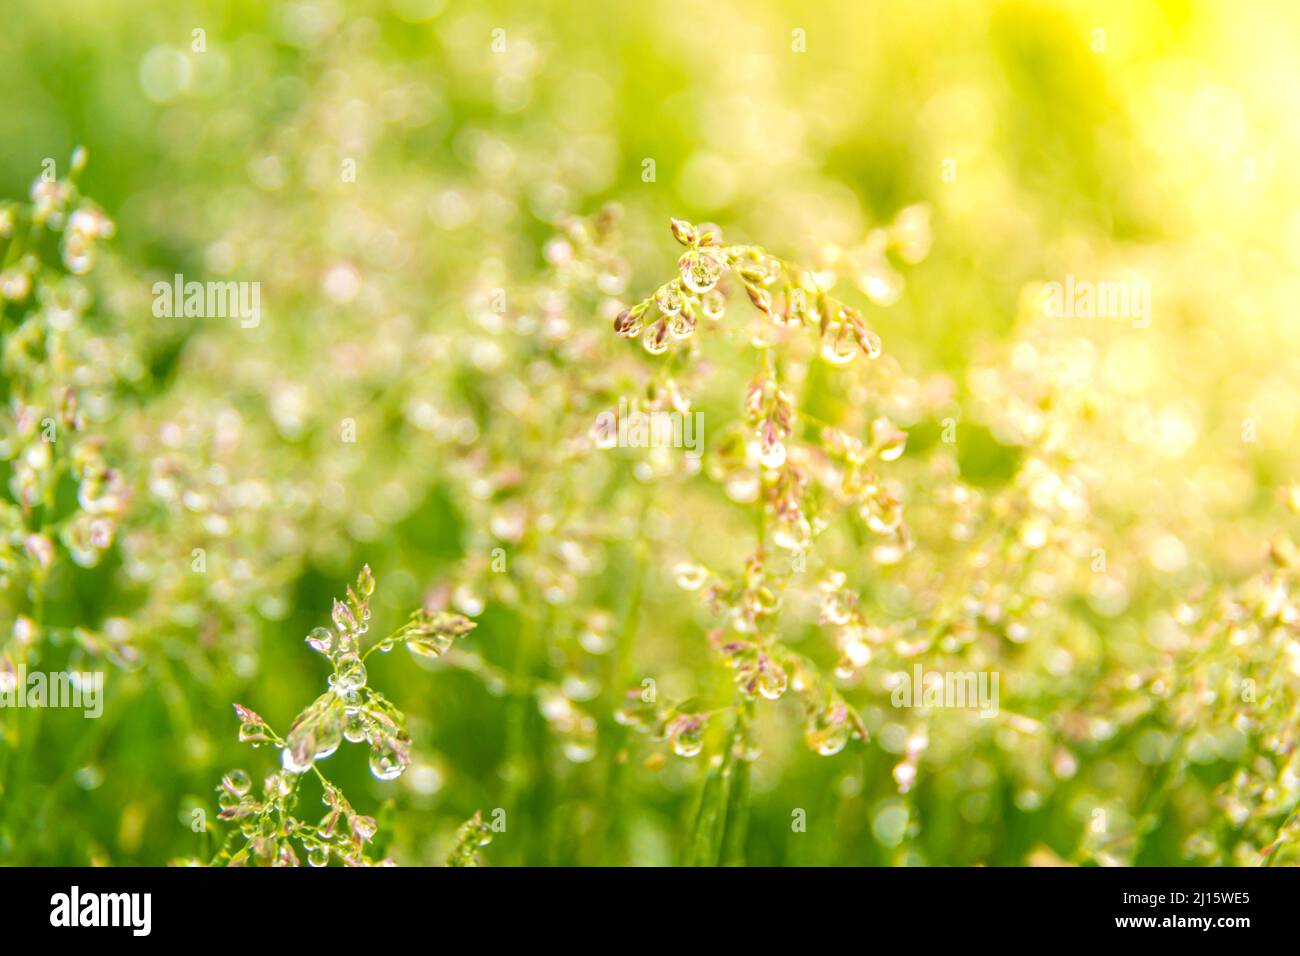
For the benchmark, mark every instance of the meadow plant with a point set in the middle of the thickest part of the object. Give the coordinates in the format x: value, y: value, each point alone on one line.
x: 352, y: 711
x: 55, y: 371
x: 64, y: 501
x: 798, y: 475
x: 673, y: 653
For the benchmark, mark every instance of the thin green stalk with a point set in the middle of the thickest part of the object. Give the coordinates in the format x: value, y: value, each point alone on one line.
x: 702, y: 850
x: 518, y: 758
x: 615, y: 843
x: 736, y: 828
x: 707, y: 835
x: 27, y: 723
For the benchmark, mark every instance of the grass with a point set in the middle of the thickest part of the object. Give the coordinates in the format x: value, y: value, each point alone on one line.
x: 632, y: 647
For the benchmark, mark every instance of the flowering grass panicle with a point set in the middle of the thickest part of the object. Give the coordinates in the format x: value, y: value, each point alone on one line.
x: 799, y: 475
x: 352, y: 711
x: 729, y: 644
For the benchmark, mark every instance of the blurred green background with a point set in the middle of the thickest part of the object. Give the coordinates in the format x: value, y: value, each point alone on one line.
x: 1045, y: 139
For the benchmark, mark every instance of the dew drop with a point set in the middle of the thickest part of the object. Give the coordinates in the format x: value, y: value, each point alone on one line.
x: 387, y: 762
x: 682, y: 325
x: 669, y: 299
x: 687, y: 746
x: 871, y: 341
x: 690, y: 577
x: 579, y: 750
x: 686, y: 735
x: 700, y: 271
x: 320, y: 639
x: 318, y: 854
x: 888, y: 439
x: 354, y: 727
x: 773, y: 456
x: 837, y: 349
x: 655, y: 340
x: 238, y: 782
x: 296, y: 763
x: 828, y: 741
x: 714, y: 305
x: 772, y: 680
x: 351, y: 675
